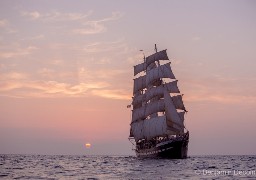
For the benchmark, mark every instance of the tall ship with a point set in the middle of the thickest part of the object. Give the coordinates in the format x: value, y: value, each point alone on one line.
x: 157, y: 124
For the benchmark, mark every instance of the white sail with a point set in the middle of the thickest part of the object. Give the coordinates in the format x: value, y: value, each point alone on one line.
x: 149, y: 128
x: 181, y: 114
x: 171, y: 87
x: 137, y: 130
x: 137, y: 100
x: 161, y: 55
x: 151, y: 66
x: 150, y: 108
x: 163, y: 71
x: 178, y: 103
x: 139, y: 68
x: 152, y: 96
x: 172, y: 114
x: 139, y: 84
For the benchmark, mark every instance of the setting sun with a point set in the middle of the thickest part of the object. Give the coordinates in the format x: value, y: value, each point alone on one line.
x: 87, y: 145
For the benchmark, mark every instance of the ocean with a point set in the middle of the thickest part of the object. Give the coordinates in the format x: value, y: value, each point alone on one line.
x: 125, y: 167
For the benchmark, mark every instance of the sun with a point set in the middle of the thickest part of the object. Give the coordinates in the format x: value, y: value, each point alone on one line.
x: 88, y: 145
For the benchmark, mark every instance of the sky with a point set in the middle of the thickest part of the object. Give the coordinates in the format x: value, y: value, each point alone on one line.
x: 66, y: 72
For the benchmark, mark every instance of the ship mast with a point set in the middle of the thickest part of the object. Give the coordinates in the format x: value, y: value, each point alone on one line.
x: 156, y: 52
x: 152, y: 96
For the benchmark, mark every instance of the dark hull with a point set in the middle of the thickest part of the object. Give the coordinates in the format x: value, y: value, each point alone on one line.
x: 172, y: 149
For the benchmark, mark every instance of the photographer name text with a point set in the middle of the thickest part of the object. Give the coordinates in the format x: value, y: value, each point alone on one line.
x: 205, y: 172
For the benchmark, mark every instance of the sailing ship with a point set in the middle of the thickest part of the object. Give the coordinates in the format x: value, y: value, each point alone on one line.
x: 157, y: 127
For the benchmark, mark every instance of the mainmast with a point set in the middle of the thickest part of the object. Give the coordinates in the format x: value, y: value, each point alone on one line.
x: 156, y: 98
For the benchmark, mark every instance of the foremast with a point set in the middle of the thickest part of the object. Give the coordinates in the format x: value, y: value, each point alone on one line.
x: 158, y: 108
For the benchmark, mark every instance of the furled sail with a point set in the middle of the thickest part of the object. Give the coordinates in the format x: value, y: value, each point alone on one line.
x: 161, y: 55
x: 163, y: 71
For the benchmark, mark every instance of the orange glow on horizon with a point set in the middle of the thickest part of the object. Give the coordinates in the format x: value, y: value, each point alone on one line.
x: 88, y: 145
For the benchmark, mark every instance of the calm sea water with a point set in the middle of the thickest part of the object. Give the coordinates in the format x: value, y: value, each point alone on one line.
x: 125, y: 167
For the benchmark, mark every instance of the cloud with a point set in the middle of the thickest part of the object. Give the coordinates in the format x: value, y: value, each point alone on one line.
x: 113, y: 94
x: 30, y: 88
x: 92, y: 27
x: 220, y: 98
x: 53, y: 74
x: 38, y: 37
x: 11, y: 80
x: 135, y: 58
x: 87, y: 26
x: 32, y: 15
x: 96, y: 47
x: 63, y: 68
x: 96, y: 26
x: 59, y: 88
x: 103, y: 61
x: 13, y: 76
x: 86, y: 74
x: 80, y: 20
x: 8, y: 86
x: 15, y: 84
x: 56, y: 62
x: 111, y: 73
x: 47, y: 73
x: 219, y: 89
x: 4, y: 23
x: 17, y: 52
x: 56, y: 16
x: 196, y: 38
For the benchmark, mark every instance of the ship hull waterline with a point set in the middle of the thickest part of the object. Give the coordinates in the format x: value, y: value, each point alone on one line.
x: 172, y: 149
